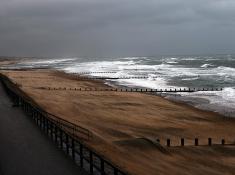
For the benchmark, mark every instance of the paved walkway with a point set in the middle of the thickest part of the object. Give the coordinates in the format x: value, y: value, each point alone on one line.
x: 25, y: 150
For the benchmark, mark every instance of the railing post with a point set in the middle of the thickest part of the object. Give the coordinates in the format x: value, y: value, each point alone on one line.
x: 56, y: 134
x: 91, y: 162
x: 51, y: 128
x: 67, y: 143
x: 44, y: 123
x: 61, y: 139
x: 81, y: 154
x: 73, y: 151
x: 47, y: 129
x: 37, y: 118
x: 102, y: 166
x: 115, y: 171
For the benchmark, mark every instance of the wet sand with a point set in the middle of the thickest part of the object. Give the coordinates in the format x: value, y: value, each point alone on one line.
x: 125, y: 125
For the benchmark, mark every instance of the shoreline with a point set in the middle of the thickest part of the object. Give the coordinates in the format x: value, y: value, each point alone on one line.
x: 196, y: 102
x: 165, y: 96
x: 125, y: 125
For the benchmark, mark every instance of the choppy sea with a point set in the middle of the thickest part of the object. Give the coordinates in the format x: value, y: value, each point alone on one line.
x: 207, y: 71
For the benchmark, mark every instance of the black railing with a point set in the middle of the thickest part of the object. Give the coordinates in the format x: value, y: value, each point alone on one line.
x: 66, y: 135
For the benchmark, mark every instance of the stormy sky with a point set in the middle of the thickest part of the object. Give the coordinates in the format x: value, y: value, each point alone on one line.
x: 116, y: 27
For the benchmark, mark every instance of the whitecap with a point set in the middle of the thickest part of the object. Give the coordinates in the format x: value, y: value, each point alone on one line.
x: 207, y: 65
x: 189, y: 79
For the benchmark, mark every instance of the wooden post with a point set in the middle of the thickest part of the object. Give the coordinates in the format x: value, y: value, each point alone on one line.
x: 182, y: 141
x: 168, y: 142
x: 209, y: 141
x: 196, y: 141
x: 223, y: 142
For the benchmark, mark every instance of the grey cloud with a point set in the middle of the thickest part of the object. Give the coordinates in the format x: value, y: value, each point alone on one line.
x: 111, y: 27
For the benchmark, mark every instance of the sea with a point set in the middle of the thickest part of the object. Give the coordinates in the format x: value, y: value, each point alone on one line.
x: 160, y: 72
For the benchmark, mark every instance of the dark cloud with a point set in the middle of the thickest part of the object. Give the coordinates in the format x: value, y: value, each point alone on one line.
x: 111, y: 27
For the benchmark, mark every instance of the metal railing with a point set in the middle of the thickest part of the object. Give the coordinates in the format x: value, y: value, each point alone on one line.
x: 66, y: 135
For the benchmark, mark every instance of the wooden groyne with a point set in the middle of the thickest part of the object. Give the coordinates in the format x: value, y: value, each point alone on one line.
x: 67, y: 136
x: 196, y: 142
x: 176, y: 90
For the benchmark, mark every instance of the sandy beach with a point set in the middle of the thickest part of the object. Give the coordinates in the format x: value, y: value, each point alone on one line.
x: 126, y: 125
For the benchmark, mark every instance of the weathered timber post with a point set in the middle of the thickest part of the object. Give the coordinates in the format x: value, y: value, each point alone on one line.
x: 182, y: 141
x: 209, y: 141
x: 168, y: 142
x: 196, y: 141
x: 223, y: 142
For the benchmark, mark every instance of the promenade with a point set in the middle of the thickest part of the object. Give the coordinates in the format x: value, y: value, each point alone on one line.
x: 24, y: 149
